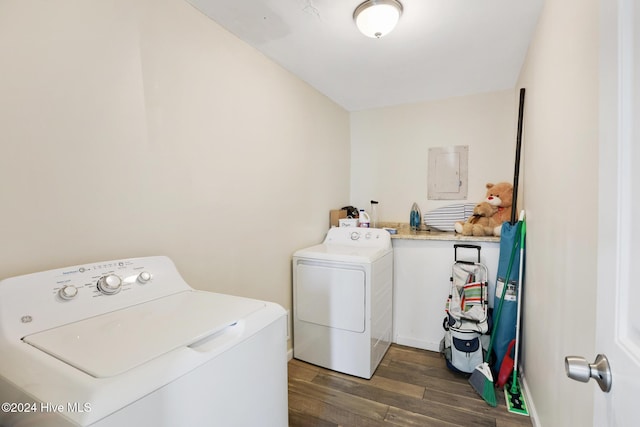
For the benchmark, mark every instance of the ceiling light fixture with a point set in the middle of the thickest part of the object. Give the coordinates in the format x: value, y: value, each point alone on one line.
x: 376, y: 18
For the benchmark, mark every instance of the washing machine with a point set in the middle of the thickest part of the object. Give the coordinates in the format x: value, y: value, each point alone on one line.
x: 129, y: 343
x: 342, y: 300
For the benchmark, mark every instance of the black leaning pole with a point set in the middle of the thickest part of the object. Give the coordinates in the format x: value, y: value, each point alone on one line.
x: 516, y: 171
x: 505, y: 331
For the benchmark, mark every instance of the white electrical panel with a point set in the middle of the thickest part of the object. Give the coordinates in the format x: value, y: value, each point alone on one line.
x: 447, y: 174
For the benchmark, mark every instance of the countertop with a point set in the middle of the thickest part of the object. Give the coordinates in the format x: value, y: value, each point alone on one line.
x: 404, y: 232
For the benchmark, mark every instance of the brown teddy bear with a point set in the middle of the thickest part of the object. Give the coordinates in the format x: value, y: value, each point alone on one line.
x: 487, y: 221
x: 478, y: 224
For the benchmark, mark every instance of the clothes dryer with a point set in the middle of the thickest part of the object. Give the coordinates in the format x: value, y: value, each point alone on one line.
x: 342, y: 300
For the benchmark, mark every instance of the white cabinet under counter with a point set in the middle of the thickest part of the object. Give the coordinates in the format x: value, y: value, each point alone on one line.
x: 422, y: 268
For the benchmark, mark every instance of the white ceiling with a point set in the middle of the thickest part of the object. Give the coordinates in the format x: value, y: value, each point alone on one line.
x: 440, y: 48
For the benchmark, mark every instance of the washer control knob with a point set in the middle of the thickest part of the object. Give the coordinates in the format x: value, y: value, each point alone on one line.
x: 68, y: 292
x: 144, y: 277
x: 109, y: 284
x: 355, y: 235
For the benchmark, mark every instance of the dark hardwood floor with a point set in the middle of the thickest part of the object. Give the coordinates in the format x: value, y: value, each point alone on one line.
x: 411, y: 387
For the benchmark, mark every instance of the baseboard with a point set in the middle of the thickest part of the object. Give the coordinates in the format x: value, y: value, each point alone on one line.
x: 533, y: 414
x: 422, y: 344
x: 289, y: 354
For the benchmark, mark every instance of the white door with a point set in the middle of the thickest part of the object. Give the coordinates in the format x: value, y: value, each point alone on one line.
x: 618, y: 316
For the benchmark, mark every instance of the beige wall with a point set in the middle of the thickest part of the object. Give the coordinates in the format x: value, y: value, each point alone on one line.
x: 133, y: 128
x: 560, y: 184
x: 389, y: 149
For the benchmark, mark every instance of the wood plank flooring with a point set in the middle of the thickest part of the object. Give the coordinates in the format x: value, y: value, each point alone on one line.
x: 411, y: 387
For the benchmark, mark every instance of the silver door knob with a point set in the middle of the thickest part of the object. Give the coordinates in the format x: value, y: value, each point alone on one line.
x: 577, y: 368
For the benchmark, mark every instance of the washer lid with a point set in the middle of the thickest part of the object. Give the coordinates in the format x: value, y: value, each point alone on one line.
x: 112, y: 343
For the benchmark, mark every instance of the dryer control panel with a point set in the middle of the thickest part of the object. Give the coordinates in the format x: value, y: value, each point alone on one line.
x: 361, y: 237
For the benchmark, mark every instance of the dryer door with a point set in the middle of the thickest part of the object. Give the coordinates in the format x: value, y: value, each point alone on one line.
x: 331, y: 295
